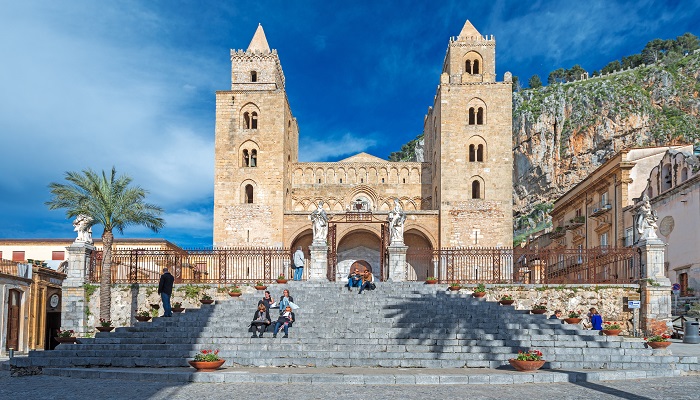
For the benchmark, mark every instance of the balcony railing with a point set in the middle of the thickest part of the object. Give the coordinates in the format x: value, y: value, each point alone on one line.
x: 599, y: 208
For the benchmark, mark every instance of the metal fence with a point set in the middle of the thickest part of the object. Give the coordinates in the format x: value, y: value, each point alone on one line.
x: 218, y: 266
x: 499, y: 265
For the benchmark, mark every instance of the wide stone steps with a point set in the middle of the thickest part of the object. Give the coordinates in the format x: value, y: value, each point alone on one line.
x: 398, y: 325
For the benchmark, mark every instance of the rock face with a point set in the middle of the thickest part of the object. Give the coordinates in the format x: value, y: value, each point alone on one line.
x: 563, y: 132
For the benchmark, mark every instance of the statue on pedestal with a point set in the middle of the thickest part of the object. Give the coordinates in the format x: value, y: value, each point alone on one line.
x: 646, y: 220
x: 396, y: 218
x: 319, y: 224
x: 83, y: 225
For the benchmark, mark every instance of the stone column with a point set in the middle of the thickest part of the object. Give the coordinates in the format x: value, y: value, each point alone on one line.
x: 655, y: 312
x: 397, y: 262
x: 318, y: 270
x: 73, y: 306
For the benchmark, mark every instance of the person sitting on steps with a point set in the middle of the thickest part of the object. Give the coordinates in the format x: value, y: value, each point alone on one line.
x: 596, y: 319
x: 285, y: 300
x: 261, y: 320
x: 285, y: 321
x: 367, y: 282
x: 268, y: 301
x: 354, y: 279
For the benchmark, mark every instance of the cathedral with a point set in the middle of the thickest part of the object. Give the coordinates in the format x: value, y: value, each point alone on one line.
x: 459, y: 196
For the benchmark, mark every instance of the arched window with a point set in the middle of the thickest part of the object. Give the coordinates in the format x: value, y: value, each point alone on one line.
x: 684, y: 174
x: 246, y: 159
x: 246, y: 120
x: 480, y: 116
x: 472, y: 153
x: 479, y: 153
x: 650, y: 192
x: 254, y: 158
x: 254, y: 120
x: 249, y: 194
x: 468, y: 66
x: 666, y: 179
x: 475, y: 69
x: 476, y: 190
x: 253, y: 76
x: 472, y: 116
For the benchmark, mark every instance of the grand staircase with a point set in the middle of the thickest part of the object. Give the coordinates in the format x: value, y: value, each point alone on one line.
x: 397, y: 325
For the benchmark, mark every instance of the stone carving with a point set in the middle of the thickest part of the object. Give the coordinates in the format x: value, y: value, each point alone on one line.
x: 319, y: 224
x: 83, y: 225
x: 646, y: 220
x: 396, y: 218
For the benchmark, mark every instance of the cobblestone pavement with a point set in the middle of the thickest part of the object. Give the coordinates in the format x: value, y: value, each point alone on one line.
x: 50, y: 387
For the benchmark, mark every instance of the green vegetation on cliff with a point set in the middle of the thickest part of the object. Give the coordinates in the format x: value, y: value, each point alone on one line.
x: 407, y: 152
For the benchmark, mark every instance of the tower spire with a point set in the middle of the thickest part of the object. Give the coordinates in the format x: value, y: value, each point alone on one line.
x: 259, y: 42
x: 468, y: 30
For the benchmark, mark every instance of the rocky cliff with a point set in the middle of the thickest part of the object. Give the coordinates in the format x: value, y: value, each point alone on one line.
x: 563, y: 132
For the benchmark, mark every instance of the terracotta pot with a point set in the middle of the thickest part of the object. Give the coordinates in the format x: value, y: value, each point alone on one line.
x: 526, y: 365
x: 142, y: 318
x: 210, y: 301
x: 479, y: 294
x: 507, y: 302
x: 611, y: 332
x: 281, y: 281
x: 178, y: 309
x: 71, y: 339
x: 454, y: 288
x: 658, y: 345
x: 235, y: 294
x: 104, y: 328
x: 572, y: 320
x: 538, y: 310
x: 261, y: 287
x: 206, y: 366
x: 431, y: 281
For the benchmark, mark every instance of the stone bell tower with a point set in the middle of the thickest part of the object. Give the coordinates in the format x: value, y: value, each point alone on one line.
x: 468, y: 135
x: 256, y: 140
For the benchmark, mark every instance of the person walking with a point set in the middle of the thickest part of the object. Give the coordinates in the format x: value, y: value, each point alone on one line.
x: 165, y: 290
x: 298, y: 264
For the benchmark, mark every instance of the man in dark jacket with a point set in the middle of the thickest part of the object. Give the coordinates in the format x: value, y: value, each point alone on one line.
x: 165, y: 290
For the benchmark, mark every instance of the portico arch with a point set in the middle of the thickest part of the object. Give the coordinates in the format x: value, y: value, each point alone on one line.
x: 419, y: 262
x: 358, y: 244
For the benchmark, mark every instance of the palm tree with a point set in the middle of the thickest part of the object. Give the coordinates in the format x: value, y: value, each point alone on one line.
x: 110, y: 201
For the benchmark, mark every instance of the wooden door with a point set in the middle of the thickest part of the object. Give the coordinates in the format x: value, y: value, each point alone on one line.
x: 684, y: 283
x: 13, y: 319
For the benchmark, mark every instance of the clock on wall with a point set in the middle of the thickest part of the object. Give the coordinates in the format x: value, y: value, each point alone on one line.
x: 53, y: 301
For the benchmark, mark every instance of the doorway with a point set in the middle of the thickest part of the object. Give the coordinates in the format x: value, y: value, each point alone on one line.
x: 13, y: 304
x: 53, y: 324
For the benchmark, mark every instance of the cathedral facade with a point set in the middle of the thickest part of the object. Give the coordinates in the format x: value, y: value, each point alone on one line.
x: 459, y: 196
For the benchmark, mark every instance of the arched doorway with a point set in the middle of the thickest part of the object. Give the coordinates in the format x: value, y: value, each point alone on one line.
x: 359, y: 245
x: 304, y: 240
x: 419, y: 260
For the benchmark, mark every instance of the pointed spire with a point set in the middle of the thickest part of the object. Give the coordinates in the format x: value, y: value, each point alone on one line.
x: 468, y: 30
x: 259, y: 42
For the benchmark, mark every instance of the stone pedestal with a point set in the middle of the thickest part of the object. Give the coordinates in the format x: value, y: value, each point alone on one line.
x: 655, y: 312
x: 318, y: 270
x: 73, y: 314
x: 397, y: 262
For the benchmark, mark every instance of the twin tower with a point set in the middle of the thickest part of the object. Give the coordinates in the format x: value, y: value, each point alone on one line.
x: 460, y: 195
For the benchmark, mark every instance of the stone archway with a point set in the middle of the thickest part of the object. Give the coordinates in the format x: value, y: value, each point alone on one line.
x: 419, y: 257
x: 358, y: 245
x: 304, y: 240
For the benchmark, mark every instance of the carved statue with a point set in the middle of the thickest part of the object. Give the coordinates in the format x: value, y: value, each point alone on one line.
x: 396, y: 218
x: 646, y: 220
x: 83, y: 225
x: 319, y: 223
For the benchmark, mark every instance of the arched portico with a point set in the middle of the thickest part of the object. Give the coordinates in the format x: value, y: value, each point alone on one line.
x: 419, y: 257
x: 358, y: 245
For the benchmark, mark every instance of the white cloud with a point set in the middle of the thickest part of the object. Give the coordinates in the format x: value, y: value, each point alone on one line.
x: 333, y: 147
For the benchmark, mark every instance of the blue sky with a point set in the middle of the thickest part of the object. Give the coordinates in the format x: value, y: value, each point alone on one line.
x: 92, y: 84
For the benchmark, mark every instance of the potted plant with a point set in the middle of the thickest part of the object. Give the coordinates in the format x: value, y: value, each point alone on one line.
x: 206, y: 299
x: 527, y: 361
x: 235, y: 291
x: 207, y: 361
x: 105, y: 326
x: 281, y: 279
x: 611, y: 328
x: 454, y: 286
x: 65, y: 336
x: 574, y: 317
x: 479, y: 290
x: 259, y: 285
x: 539, y: 308
x: 143, y: 316
x: 658, y: 341
x: 431, y: 280
x: 507, y: 300
x: 177, y: 307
